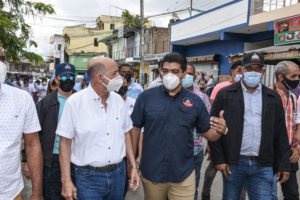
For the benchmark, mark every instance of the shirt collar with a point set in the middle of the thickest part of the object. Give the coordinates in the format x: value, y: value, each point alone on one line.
x: 94, y: 96
x: 258, y: 89
x: 164, y: 91
x: 132, y: 84
x: 60, y: 96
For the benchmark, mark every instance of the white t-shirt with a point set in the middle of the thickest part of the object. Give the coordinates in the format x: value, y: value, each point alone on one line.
x: 18, y: 116
x: 42, y: 91
x: 30, y: 88
x: 98, y: 136
x: 210, y: 81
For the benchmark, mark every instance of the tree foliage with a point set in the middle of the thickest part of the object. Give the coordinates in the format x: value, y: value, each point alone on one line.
x: 15, y: 33
x: 133, y: 20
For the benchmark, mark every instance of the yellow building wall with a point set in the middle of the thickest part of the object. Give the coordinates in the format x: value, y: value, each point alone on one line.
x: 82, y: 38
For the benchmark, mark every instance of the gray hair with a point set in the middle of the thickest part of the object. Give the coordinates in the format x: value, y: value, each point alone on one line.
x: 95, y: 69
x: 283, y: 68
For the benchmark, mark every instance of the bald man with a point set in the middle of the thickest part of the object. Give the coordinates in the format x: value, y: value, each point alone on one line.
x: 94, y: 130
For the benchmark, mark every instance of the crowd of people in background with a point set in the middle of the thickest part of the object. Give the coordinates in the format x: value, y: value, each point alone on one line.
x: 90, y: 140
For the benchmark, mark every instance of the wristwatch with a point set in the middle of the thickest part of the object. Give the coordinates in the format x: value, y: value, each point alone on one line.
x: 226, y: 131
x: 134, y: 167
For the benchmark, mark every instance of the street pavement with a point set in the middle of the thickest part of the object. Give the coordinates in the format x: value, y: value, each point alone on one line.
x: 216, y: 190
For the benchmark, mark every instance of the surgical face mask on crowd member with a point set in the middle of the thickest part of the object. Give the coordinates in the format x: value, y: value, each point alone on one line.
x: 252, y: 78
x: 44, y: 83
x: 290, y: 84
x: 113, y: 84
x: 187, y: 81
x: 67, y: 83
x: 238, y: 77
x: 3, y: 72
x: 122, y: 91
x: 30, y: 81
x: 171, y: 81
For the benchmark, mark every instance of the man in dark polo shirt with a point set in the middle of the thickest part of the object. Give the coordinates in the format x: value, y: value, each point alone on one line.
x: 169, y: 114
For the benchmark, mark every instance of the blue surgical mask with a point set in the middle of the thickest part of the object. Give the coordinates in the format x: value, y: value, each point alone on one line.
x: 187, y: 81
x: 238, y: 77
x: 252, y: 79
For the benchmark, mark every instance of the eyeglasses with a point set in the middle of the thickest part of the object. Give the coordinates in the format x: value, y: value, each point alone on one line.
x: 64, y: 78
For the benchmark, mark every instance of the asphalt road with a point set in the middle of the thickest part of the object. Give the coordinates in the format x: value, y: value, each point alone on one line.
x: 216, y: 191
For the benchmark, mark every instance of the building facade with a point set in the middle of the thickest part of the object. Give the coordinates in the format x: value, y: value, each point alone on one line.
x: 209, y: 39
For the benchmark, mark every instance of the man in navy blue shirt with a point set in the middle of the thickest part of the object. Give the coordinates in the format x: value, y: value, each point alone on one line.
x: 169, y: 114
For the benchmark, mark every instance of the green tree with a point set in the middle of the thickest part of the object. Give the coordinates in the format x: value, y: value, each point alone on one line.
x: 15, y: 33
x: 132, y: 20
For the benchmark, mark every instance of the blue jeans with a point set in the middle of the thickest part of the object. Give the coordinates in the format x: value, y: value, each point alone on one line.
x: 258, y: 181
x: 198, y: 159
x: 92, y: 184
x: 274, y: 189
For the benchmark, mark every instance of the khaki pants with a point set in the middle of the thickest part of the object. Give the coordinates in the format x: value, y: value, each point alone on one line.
x: 174, y: 191
x: 19, y: 197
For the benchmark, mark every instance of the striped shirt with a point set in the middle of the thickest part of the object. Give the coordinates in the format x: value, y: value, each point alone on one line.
x: 290, y: 111
x: 198, y: 144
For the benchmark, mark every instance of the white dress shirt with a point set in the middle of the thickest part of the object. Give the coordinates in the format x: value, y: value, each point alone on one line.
x: 17, y: 116
x: 98, y: 136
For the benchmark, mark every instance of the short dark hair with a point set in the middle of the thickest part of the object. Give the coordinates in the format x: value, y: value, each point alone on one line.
x: 192, y: 65
x: 125, y: 65
x: 175, y: 58
x: 236, y: 64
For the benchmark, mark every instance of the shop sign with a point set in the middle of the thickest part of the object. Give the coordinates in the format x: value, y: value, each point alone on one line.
x: 282, y: 55
x: 287, y: 31
x: 208, y: 58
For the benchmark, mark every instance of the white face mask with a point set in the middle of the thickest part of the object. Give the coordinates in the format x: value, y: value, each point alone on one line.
x: 171, y: 81
x: 3, y: 71
x: 114, y: 84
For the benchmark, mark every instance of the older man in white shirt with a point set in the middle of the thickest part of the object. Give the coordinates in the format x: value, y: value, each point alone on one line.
x: 94, y: 133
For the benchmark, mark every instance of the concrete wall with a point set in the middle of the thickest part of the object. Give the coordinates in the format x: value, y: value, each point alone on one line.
x: 82, y: 38
x: 158, y: 40
x: 281, y: 13
x: 226, y: 16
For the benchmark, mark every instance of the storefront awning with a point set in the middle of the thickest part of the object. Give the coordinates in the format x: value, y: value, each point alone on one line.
x: 204, y: 59
x: 273, y: 52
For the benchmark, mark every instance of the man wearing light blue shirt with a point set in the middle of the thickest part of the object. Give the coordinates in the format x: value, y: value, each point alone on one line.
x: 256, y: 146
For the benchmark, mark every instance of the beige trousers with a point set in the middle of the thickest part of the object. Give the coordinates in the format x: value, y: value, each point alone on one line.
x: 174, y: 191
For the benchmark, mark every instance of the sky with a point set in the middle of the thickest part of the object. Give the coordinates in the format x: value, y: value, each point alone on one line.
x: 74, y: 12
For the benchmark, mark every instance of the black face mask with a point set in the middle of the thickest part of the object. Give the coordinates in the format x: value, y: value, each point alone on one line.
x: 122, y: 90
x: 67, y: 85
x: 127, y: 76
x: 289, y: 84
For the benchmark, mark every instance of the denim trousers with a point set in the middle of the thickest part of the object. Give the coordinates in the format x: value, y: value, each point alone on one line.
x: 258, y: 181
x: 198, y: 159
x: 93, y: 184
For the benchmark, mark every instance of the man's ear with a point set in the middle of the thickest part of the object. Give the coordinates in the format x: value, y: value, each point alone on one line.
x: 280, y: 77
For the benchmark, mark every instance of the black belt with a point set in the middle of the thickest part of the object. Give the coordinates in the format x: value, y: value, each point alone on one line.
x: 249, y: 157
x: 107, y: 168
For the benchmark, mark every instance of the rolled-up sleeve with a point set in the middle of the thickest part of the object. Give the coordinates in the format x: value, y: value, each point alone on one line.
x: 31, y: 123
x: 66, y: 125
x: 127, y: 125
x: 137, y: 115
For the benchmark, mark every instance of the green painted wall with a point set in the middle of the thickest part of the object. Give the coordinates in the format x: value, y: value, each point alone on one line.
x: 80, y: 62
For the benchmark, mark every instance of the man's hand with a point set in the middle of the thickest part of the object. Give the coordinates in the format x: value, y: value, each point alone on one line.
x: 134, y: 181
x: 26, y: 171
x: 224, y: 169
x: 295, y: 155
x: 207, y: 151
x: 138, y: 160
x: 219, y: 124
x: 69, y: 190
x: 283, y: 176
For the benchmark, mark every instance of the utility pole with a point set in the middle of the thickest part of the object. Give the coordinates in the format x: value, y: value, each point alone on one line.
x: 142, y: 43
x: 191, y: 7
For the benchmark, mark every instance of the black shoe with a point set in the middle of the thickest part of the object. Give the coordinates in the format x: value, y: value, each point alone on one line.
x: 205, y: 196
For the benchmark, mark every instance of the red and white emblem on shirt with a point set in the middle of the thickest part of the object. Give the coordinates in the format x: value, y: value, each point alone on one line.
x: 187, y: 102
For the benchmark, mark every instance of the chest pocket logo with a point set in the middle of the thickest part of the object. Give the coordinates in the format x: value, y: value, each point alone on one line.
x: 187, y: 102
